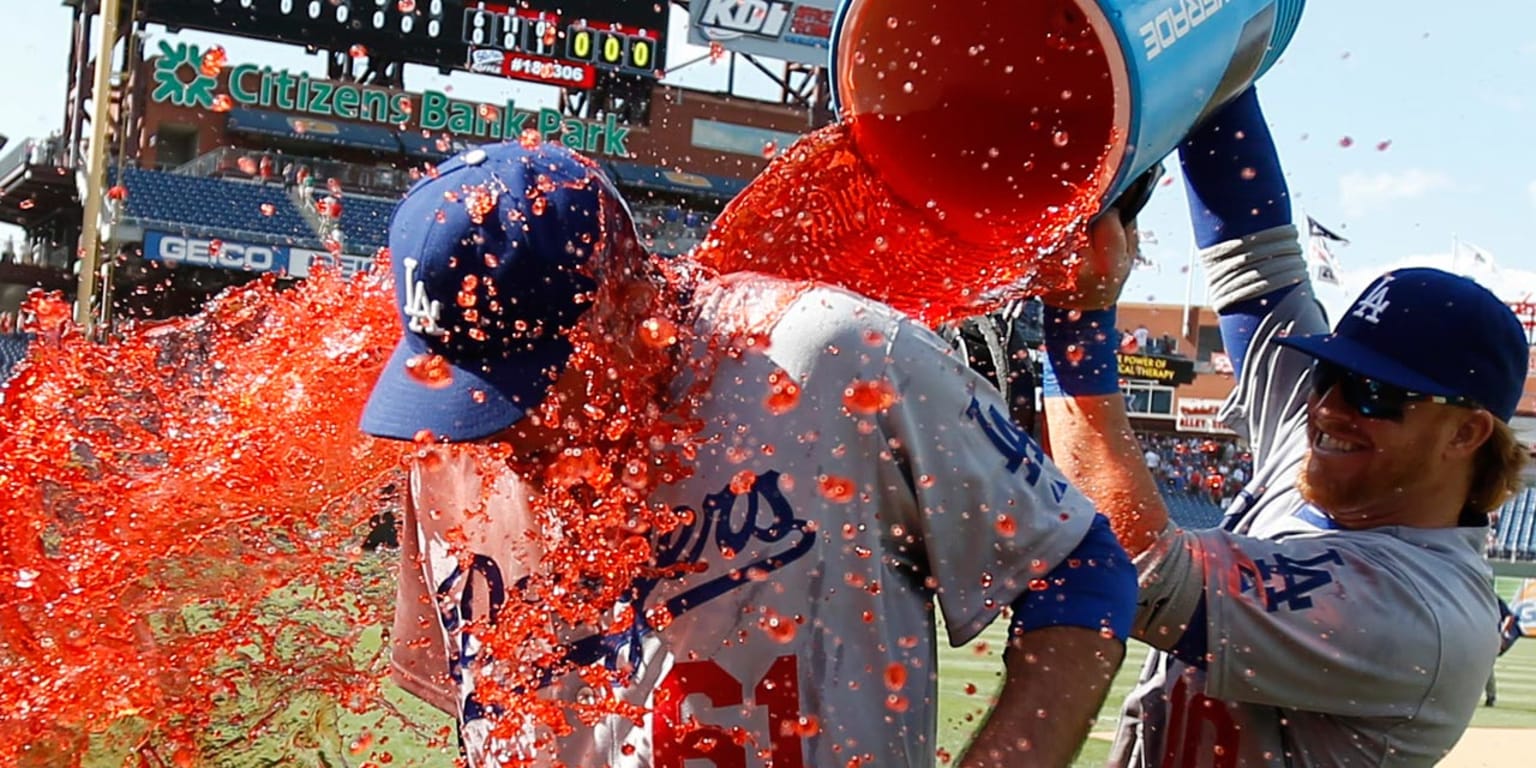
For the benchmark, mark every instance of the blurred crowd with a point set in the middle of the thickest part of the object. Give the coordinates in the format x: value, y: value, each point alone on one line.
x: 1207, y: 468
x: 670, y: 229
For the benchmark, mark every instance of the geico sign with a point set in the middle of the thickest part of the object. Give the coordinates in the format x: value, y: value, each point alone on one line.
x: 756, y: 17
x: 260, y: 258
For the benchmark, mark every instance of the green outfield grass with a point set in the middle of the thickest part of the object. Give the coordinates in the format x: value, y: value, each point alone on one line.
x: 979, y: 665
x: 969, y: 677
x: 319, y: 732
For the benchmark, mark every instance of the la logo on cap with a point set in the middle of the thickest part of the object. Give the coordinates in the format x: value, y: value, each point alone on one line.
x: 1374, y: 303
x: 422, y: 311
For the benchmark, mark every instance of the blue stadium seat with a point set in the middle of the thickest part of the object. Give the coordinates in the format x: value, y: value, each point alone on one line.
x: 215, y: 207
x: 1515, y: 533
x: 1193, y: 512
x: 13, y: 349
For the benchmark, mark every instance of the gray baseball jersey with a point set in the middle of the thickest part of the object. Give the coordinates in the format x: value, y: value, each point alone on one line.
x: 828, y: 528
x: 1325, y: 647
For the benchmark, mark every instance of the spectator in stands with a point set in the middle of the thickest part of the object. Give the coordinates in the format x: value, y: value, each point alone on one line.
x: 1216, y: 484
x: 1380, y: 448
x: 264, y: 168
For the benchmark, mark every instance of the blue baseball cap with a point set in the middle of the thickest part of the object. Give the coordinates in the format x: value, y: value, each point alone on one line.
x: 493, y: 262
x: 1430, y: 332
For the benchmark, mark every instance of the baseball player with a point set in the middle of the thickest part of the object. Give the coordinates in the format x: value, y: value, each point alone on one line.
x: 1340, y: 616
x: 845, y: 475
x: 1509, y: 632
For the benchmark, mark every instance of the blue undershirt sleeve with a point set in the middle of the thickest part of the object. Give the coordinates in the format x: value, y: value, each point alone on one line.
x: 1232, y: 175
x: 1093, y: 588
x: 1241, y: 320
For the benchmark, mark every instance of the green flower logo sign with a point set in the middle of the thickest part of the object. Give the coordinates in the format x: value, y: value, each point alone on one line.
x: 170, y: 84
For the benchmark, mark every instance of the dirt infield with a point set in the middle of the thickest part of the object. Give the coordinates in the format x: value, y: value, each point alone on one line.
x: 1493, y: 748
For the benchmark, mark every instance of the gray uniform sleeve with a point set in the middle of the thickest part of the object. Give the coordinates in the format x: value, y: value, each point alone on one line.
x: 1325, y: 624
x: 1270, y: 399
x: 992, y: 511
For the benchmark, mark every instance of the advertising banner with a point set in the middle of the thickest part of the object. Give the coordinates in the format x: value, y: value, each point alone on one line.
x: 1163, y: 370
x: 1524, y: 607
x: 214, y: 252
x: 1197, y: 414
x: 313, y: 104
x: 301, y: 259
x: 798, y: 31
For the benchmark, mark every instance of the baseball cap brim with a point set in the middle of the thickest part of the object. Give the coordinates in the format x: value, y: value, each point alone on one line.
x: 1353, y: 356
x: 475, y: 402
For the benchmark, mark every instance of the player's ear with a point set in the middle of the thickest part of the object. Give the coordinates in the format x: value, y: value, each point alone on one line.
x: 1473, y: 428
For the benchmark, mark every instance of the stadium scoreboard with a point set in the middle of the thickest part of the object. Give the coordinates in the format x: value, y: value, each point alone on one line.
x: 558, y: 42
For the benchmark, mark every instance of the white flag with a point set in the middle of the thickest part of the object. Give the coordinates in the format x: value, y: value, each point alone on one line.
x: 1325, y: 268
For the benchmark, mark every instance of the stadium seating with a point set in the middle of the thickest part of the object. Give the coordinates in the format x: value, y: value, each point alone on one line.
x: 215, y: 207
x: 1515, y: 531
x: 1194, y: 512
x: 1514, y: 534
x: 13, y: 349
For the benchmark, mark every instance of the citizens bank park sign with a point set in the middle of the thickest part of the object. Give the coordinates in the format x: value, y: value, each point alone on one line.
x: 180, y: 80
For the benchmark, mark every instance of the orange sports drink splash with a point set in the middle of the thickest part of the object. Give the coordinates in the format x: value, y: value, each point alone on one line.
x: 978, y: 137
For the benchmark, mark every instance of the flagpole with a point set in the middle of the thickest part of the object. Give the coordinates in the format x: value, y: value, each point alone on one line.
x: 1189, y: 292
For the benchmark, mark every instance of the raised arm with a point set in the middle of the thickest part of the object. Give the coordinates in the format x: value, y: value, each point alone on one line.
x: 1241, y: 215
x: 1087, y: 426
x: 1240, y: 210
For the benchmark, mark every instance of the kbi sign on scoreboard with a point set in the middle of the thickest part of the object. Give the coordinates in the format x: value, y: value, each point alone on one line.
x: 789, y: 30
x: 558, y: 42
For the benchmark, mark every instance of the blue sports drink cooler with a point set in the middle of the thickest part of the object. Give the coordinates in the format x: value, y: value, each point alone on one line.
x: 1170, y: 63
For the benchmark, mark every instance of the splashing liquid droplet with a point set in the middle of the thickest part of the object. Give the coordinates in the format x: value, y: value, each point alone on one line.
x: 783, y: 393
x: 213, y: 61
x: 836, y: 489
x: 741, y: 482
x: 869, y: 397
x: 430, y: 370
x: 781, y: 629
x: 658, y: 333
x: 1006, y: 526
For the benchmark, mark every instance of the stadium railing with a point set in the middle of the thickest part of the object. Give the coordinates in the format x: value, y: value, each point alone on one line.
x: 31, y: 152
x: 226, y: 162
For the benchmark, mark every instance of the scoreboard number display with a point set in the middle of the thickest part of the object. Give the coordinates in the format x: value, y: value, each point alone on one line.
x: 560, y: 42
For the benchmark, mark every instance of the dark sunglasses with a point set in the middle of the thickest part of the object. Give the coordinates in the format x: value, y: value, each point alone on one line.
x: 1373, y: 399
